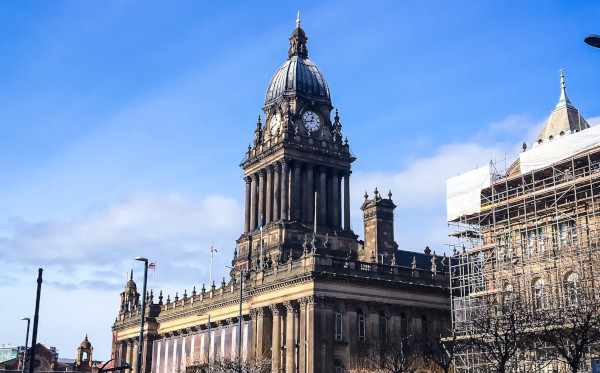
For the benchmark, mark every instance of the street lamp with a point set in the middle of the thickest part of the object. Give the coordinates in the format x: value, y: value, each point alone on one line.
x: 593, y: 40
x: 139, y: 362
x: 208, y: 355
x: 26, y: 341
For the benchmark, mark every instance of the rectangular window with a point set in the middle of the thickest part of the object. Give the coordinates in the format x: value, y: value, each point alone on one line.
x: 541, y: 245
x: 338, y: 335
x: 361, y: 327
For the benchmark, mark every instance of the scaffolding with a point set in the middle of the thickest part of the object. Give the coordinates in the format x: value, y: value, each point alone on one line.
x: 534, y: 234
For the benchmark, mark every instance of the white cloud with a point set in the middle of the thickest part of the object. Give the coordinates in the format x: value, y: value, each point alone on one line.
x: 145, y: 221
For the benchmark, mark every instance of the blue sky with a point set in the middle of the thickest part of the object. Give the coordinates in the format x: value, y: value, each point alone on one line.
x: 122, y: 124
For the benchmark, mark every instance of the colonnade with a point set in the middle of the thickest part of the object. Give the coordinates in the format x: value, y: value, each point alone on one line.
x: 286, y: 190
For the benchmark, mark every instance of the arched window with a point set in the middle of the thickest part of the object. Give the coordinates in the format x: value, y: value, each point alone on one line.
x: 403, y: 326
x: 538, y: 294
x: 337, y: 324
x: 508, y: 292
x: 424, y: 325
x: 383, y: 326
x: 361, y: 321
x: 338, y: 366
x: 571, y: 284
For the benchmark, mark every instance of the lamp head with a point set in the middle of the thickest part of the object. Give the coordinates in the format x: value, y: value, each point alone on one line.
x: 141, y: 259
x: 25, y: 318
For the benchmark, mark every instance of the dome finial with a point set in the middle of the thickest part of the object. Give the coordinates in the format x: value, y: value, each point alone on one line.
x: 564, y: 99
x: 298, y: 19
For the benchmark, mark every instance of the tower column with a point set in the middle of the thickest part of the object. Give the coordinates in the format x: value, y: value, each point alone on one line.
x: 311, y: 336
x: 275, y: 338
x: 248, y: 180
x: 129, y: 354
x: 254, y: 212
x: 261, y: 196
x: 290, y: 343
x: 296, y: 196
x: 347, y: 200
x: 284, y: 189
x: 308, y: 197
x: 276, y: 191
x: 322, y: 197
x: 269, y: 195
x: 335, y: 199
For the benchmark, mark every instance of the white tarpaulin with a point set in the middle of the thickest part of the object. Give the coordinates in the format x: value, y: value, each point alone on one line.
x: 558, y: 149
x: 463, y: 192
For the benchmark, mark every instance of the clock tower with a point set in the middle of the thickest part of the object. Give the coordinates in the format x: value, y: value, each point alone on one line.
x: 297, y: 170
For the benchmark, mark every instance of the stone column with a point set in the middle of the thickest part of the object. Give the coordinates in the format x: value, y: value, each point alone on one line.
x: 296, y: 196
x: 261, y: 197
x: 129, y: 354
x: 276, y: 338
x: 302, y: 336
x: 254, y: 213
x: 308, y: 196
x: 312, y: 362
x: 269, y: 196
x: 322, y: 196
x: 335, y: 199
x: 347, y: 200
x: 276, y: 191
x: 248, y: 180
x: 284, y: 189
x: 290, y: 343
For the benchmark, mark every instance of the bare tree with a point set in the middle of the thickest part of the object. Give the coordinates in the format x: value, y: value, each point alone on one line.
x: 388, y: 357
x: 440, y: 350
x: 499, y: 332
x: 253, y: 364
x: 572, y: 328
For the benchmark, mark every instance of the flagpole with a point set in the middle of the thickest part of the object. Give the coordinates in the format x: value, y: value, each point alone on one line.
x: 261, y: 242
x: 211, y: 262
x: 315, y: 224
x: 153, y: 275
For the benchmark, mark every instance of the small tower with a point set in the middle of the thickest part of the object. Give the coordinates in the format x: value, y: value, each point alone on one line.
x: 379, y: 226
x: 130, y: 298
x: 84, y: 356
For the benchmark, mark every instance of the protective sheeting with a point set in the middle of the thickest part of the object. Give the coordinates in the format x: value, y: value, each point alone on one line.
x: 463, y: 192
x: 558, y: 149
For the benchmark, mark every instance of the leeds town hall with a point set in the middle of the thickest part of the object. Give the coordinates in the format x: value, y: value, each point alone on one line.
x: 312, y: 295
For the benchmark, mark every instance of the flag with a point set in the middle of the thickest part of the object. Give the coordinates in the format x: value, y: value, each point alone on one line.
x: 212, y: 249
x: 262, y: 222
x: 152, y: 265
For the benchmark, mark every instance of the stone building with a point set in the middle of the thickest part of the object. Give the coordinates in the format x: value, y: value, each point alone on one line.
x: 311, y: 298
x: 526, y: 242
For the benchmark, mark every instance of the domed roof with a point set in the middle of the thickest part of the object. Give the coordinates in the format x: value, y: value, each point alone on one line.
x: 85, y: 343
x: 298, y: 76
x: 130, y: 286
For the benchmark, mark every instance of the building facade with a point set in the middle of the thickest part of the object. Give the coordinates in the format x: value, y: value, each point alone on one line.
x: 526, y: 246
x: 311, y: 298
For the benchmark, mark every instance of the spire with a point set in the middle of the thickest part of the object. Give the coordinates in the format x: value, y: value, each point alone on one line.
x: 564, y: 119
x: 564, y: 99
x: 131, y: 276
x: 298, y: 41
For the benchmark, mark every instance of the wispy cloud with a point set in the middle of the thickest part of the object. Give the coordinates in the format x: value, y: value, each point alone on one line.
x: 149, y: 222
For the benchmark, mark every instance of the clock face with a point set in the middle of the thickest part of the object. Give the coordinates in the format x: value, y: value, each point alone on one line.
x: 275, y: 123
x: 311, y: 120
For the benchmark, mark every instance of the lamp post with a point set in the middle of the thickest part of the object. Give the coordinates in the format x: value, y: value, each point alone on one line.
x: 593, y: 40
x: 239, y: 339
x: 139, y: 362
x: 26, y: 341
x: 208, y: 355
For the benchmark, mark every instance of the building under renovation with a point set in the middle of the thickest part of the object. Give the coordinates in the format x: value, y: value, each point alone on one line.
x: 525, y: 233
